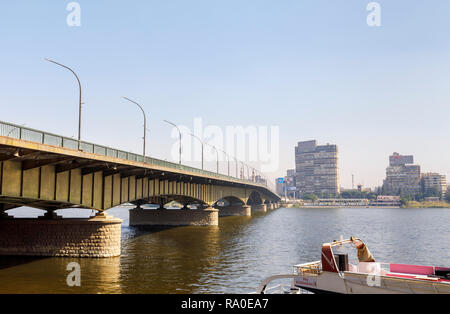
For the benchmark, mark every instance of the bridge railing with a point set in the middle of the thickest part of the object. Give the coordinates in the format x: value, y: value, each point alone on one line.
x: 32, y: 135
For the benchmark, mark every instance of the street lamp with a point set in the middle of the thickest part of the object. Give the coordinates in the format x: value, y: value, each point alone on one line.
x: 79, y: 106
x: 178, y: 132
x: 236, y: 162
x: 202, y: 145
x: 248, y: 173
x: 228, y: 160
x: 217, y: 153
x: 145, y: 121
x: 253, y: 173
x: 243, y: 170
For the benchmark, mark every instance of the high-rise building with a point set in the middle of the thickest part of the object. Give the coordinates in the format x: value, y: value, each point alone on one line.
x: 290, y: 186
x: 316, y: 169
x: 434, y: 184
x: 402, y: 177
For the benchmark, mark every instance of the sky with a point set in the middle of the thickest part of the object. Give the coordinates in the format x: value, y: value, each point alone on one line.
x: 314, y: 69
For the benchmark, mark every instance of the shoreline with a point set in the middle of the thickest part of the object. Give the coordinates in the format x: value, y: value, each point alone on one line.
x: 413, y: 206
x: 318, y: 206
x: 426, y: 205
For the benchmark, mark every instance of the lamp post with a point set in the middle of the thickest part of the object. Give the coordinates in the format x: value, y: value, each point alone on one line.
x: 248, y: 173
x: 253, y: 174
x: 243, y: 170
x: 145, y: 122
x: 236, y: 162
x: 228, y: 161
x: 202, y: 145
x: 217, y: 153
x: 178, y: 132
x: 79, y: 105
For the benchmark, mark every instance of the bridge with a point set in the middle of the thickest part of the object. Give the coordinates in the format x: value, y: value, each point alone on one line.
x: 51, y: 172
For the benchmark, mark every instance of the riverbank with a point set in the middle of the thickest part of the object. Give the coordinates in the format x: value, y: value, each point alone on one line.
x: 324, y: 206
x: 335, y: 206
x: 414, y: 204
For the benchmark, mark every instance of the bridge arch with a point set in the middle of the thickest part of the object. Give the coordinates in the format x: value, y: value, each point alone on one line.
x: 163, y: 200
x: 229, y: 201
x: 255, y: 198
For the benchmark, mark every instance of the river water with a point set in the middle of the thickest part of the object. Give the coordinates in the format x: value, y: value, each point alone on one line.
x: 235, y: 256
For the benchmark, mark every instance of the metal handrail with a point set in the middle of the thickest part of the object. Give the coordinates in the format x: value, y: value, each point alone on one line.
x: 33, y: 135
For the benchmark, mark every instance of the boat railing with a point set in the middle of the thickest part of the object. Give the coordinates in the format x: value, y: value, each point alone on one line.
x: 283, y: 289
x: 308, y: 269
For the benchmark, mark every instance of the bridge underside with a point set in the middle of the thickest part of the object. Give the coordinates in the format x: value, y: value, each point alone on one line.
x: 51, y: 178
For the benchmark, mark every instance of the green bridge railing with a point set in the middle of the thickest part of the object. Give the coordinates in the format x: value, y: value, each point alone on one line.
x: 32, y: 135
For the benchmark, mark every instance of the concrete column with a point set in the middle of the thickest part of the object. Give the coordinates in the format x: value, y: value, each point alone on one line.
x: 235, y: 210
x: 50, y: 215
x: 93, y: 237
x: 259, y: 208
x: 270, y: 206
x: 175, y: 217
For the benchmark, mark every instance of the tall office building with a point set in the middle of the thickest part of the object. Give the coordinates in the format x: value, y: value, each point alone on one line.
x: 290, y: 183
x: 316, y: 168
x: 402, y: 177
x: 434, y: 183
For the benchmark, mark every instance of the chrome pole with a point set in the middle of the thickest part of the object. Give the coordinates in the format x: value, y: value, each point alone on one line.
x: 79, y: 105
x: 145, y: 121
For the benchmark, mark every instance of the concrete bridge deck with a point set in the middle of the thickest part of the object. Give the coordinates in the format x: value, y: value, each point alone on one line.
x: 47, y: 171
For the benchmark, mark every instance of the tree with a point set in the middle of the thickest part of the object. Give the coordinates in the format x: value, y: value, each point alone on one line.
x: 404, y: 200
x: 447, y: 197
x: 311, y: 197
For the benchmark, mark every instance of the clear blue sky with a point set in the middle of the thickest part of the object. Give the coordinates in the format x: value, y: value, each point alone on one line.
x: 312, y: 67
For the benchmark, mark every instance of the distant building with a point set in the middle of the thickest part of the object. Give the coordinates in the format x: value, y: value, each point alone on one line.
x: 432, y: 199
x: 279, y: 186
x: 287, y: 186
x: 386, y: 200
x: 290, y: 186
x: 434, y: 183
x: 338, y: 202
x: 402, y: 178
x: 316, y: 169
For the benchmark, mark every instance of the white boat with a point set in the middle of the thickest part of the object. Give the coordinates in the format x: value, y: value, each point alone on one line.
x: 334, y: 274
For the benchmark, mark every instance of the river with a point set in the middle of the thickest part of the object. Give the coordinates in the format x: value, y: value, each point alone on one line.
x: 235, y: 256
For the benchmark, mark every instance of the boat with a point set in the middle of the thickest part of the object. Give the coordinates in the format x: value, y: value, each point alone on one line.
x: 333, y: 274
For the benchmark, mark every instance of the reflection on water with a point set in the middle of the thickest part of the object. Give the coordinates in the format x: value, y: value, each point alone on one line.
x: 235, y: 256
x: 48, y: 275
x: 168, y: 260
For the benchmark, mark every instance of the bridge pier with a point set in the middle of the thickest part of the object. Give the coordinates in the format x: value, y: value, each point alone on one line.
x: 174, y: 217
x: 259, y: 208
x: 92, y: 237
x: 235, y: 210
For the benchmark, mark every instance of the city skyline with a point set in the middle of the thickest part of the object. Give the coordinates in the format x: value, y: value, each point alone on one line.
x: 354, y: 182
x: 370, y: 90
